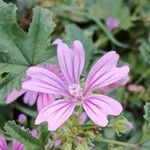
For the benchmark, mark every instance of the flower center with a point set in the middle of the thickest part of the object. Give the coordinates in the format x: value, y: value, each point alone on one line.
x: 75, y: 90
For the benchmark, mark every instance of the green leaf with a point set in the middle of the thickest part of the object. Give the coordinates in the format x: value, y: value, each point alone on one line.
x: 145, y: 10
x: 137, y: 64
x: 23, y: 136
x: 75, y: 12
x: 38, y: 35
x: 99, y: 145
x: 145, y: 145
x: 4, y: 115
x: 147, y: 112
x: 43, y: 133
x: 73, y: 32
x: 145, y: 50
x: 12, y: 37
x: 83, y: 146
x: 101, y: 9
x: 146, y: 136
x: 67, y: 146
x: 64, y: 11
x: 20, y: 50
x: 26, y: 110
x: 107, y: 32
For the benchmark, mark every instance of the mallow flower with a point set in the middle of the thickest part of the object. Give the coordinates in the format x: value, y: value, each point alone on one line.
x: 32, y: 97
x: 104, y: 76
x: 16, y: 145
x: 112, y: 23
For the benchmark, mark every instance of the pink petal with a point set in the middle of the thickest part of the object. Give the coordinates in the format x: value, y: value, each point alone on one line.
x: 14, y: 95
x: 17, y: 145
x: 30, y: 97
x: 44, y: 100
x: 109, y: 88
x: 57, y: 71
x: 57, y: 41
x: 44, y: 81
x: 77, y: 45
x: 71, y: 61
x: 105, y: 72
x: 98, y: 107
x: 3, y: 144
x: 56, y: 113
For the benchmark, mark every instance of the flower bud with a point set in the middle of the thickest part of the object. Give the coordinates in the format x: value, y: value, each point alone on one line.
x: 22, y: 118
x: 112, y: 23
x: 34, y: 133
x: 122, y: 125
x: 135, y: 88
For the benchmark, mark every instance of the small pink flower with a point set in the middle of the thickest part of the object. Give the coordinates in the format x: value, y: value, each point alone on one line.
x: 112, y: 23
x: 136, y: 88
x: 22, y: 118
x: 104, y: 74
x: 31, y: 97
x: 16, y: 145
x: 34, y: 133
x: 57, y: 142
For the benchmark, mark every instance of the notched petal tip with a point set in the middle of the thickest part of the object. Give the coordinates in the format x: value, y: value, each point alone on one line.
x: 77, y: 44
x: 112, y: 52
x: 25, y: 85
x: 35, y: 69
x: 104, y: 124
x: 126, y: 68
x: 98, y: 107
x: 38, y: 121
x: 119, y: 110
x: 14, y: 95
x: 57, y: 41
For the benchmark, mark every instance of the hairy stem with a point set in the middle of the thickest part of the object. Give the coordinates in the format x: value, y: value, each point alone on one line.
x: 136, y: 146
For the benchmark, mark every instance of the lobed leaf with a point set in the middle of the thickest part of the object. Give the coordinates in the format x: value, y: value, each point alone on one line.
x: 147, y: 112
x: 145, y: 50
x: 23, y: 136
x: 20, y: 50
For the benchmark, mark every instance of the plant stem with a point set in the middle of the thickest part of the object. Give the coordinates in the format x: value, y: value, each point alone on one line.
x: 27, y: 111
x: 143, y: 76
x: 136, y: 146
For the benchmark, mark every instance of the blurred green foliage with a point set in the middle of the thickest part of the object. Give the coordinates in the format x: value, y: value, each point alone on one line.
x: 25, y: 39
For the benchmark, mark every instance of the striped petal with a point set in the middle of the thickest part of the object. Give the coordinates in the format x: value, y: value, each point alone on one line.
x: 44, y: 100
x: 56, y: 113
x: 44, y: 81
x: 14, y: 95
x: 71, y: 61
x: 109, y: 88
x: 105, y: 73
x: 98, y: 107
x: 3, y: 144
x: 30, y: 97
